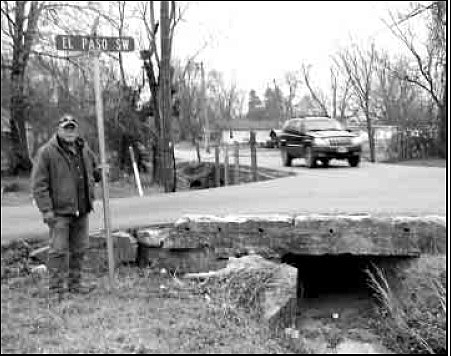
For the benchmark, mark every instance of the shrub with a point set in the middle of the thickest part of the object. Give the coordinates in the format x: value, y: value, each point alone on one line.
x: 414, y: 310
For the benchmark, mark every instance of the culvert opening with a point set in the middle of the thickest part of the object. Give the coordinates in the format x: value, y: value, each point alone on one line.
x: 337, y: 277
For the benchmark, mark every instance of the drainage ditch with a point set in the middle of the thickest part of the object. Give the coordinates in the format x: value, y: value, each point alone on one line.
x: 335, y: 301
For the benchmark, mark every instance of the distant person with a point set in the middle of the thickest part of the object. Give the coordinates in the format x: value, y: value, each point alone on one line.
x: 273, y: 137
x: 62, y: 184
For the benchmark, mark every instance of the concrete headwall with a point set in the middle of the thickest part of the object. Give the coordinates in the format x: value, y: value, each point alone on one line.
x: 274, y: 235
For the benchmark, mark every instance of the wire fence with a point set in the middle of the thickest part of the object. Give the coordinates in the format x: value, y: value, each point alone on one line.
x: 393, y: 143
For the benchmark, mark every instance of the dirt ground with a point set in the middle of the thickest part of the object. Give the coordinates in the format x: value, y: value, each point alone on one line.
x: 339, y: 323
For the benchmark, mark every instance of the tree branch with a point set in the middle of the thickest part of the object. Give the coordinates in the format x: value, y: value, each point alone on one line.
x: 11, y: 23
x: 398, y: 32
x: 314, y: 96
x: 72, y: 5
x: 154, y: 27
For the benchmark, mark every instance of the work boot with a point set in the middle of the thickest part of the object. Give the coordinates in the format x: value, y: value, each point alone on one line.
x: 57, y: 277
x: 78, y: 274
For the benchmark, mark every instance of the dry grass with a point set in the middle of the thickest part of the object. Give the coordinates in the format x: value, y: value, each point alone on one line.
x: 239, y: 289
x: 148, y: 312
x: 415, y: 309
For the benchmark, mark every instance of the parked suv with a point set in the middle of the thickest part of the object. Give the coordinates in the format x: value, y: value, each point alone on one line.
x: 318, y: 139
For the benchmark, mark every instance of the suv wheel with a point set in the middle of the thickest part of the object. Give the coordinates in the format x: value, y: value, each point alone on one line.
x: 310, y: 159
x: 286, y: 159
x: 325, y: 162
x: 354, y: 161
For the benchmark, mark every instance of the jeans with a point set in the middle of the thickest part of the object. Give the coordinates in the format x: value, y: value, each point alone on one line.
x: 69, y: 242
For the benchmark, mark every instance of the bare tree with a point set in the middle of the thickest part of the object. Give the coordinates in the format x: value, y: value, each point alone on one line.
x: 189, y: 103
x: 27, y: 28
x: 159, y: 80
x: 22, y: 22
x: 334, y: 91
x: 398, y: 101
x: 431, y: 66
x: 121, y: 15
x: 292, y: 81
x: 224, y: 98
x: 317, y: 97
x: 359, y: 66
x: 341, y: 86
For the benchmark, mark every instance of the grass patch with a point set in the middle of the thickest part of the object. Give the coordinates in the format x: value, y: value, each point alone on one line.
x: 414, y: 313
x: 149, y: 312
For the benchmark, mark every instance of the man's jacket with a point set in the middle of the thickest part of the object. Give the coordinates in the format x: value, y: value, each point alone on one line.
x: 53, y: 185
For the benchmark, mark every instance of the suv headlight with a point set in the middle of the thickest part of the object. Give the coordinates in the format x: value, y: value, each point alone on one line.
x: 318, y: 141
x: 357, y: 140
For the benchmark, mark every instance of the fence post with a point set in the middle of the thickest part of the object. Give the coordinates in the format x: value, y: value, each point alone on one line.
x: 401, y: 150
x: 226, y: 165
x: 136, y: 172
x: 253, y: 156
x: 217, y: 169
x: 236, y: 176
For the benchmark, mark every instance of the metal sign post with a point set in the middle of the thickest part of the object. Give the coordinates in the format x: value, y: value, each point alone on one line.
x: 104, y: 167
x: 95, y: 45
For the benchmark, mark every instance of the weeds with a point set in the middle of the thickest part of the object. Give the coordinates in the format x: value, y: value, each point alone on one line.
x: 148, y: 312
x: 415, y: 310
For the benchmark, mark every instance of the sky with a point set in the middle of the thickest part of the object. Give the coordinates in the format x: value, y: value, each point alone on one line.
x: 253, y: 43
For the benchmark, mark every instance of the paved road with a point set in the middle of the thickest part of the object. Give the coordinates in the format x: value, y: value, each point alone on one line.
x: 374, y: 188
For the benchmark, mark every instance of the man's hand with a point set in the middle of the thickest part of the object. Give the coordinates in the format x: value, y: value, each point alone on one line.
x: 49, y: 218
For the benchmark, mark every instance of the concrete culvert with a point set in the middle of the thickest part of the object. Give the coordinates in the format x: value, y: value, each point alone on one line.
x: 336, y: 300
x: 337, y: 275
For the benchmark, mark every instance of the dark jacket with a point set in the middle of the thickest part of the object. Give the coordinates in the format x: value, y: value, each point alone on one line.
x: 53, y: 185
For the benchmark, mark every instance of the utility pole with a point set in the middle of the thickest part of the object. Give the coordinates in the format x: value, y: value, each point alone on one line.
x: 204, y: 111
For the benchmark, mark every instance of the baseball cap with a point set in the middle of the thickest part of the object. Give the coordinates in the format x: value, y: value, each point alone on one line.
x: 67, y: 120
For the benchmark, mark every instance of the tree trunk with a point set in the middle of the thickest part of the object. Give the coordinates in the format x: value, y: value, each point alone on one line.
x: 165, y: 99
x: 153, y: 84
x: 21, y: 162
x: 442, y: 117
x: 370, y: 132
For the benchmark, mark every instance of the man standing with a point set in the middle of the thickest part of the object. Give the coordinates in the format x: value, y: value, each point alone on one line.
x: 63, y: 179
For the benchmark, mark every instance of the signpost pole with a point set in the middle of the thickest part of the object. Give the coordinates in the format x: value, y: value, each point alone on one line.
x: 104, y: 165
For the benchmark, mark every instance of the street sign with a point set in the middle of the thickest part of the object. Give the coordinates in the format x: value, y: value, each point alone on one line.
x: 92, y: 43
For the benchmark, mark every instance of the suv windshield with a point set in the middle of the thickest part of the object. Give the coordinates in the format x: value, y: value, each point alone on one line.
x: 322, y: 125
